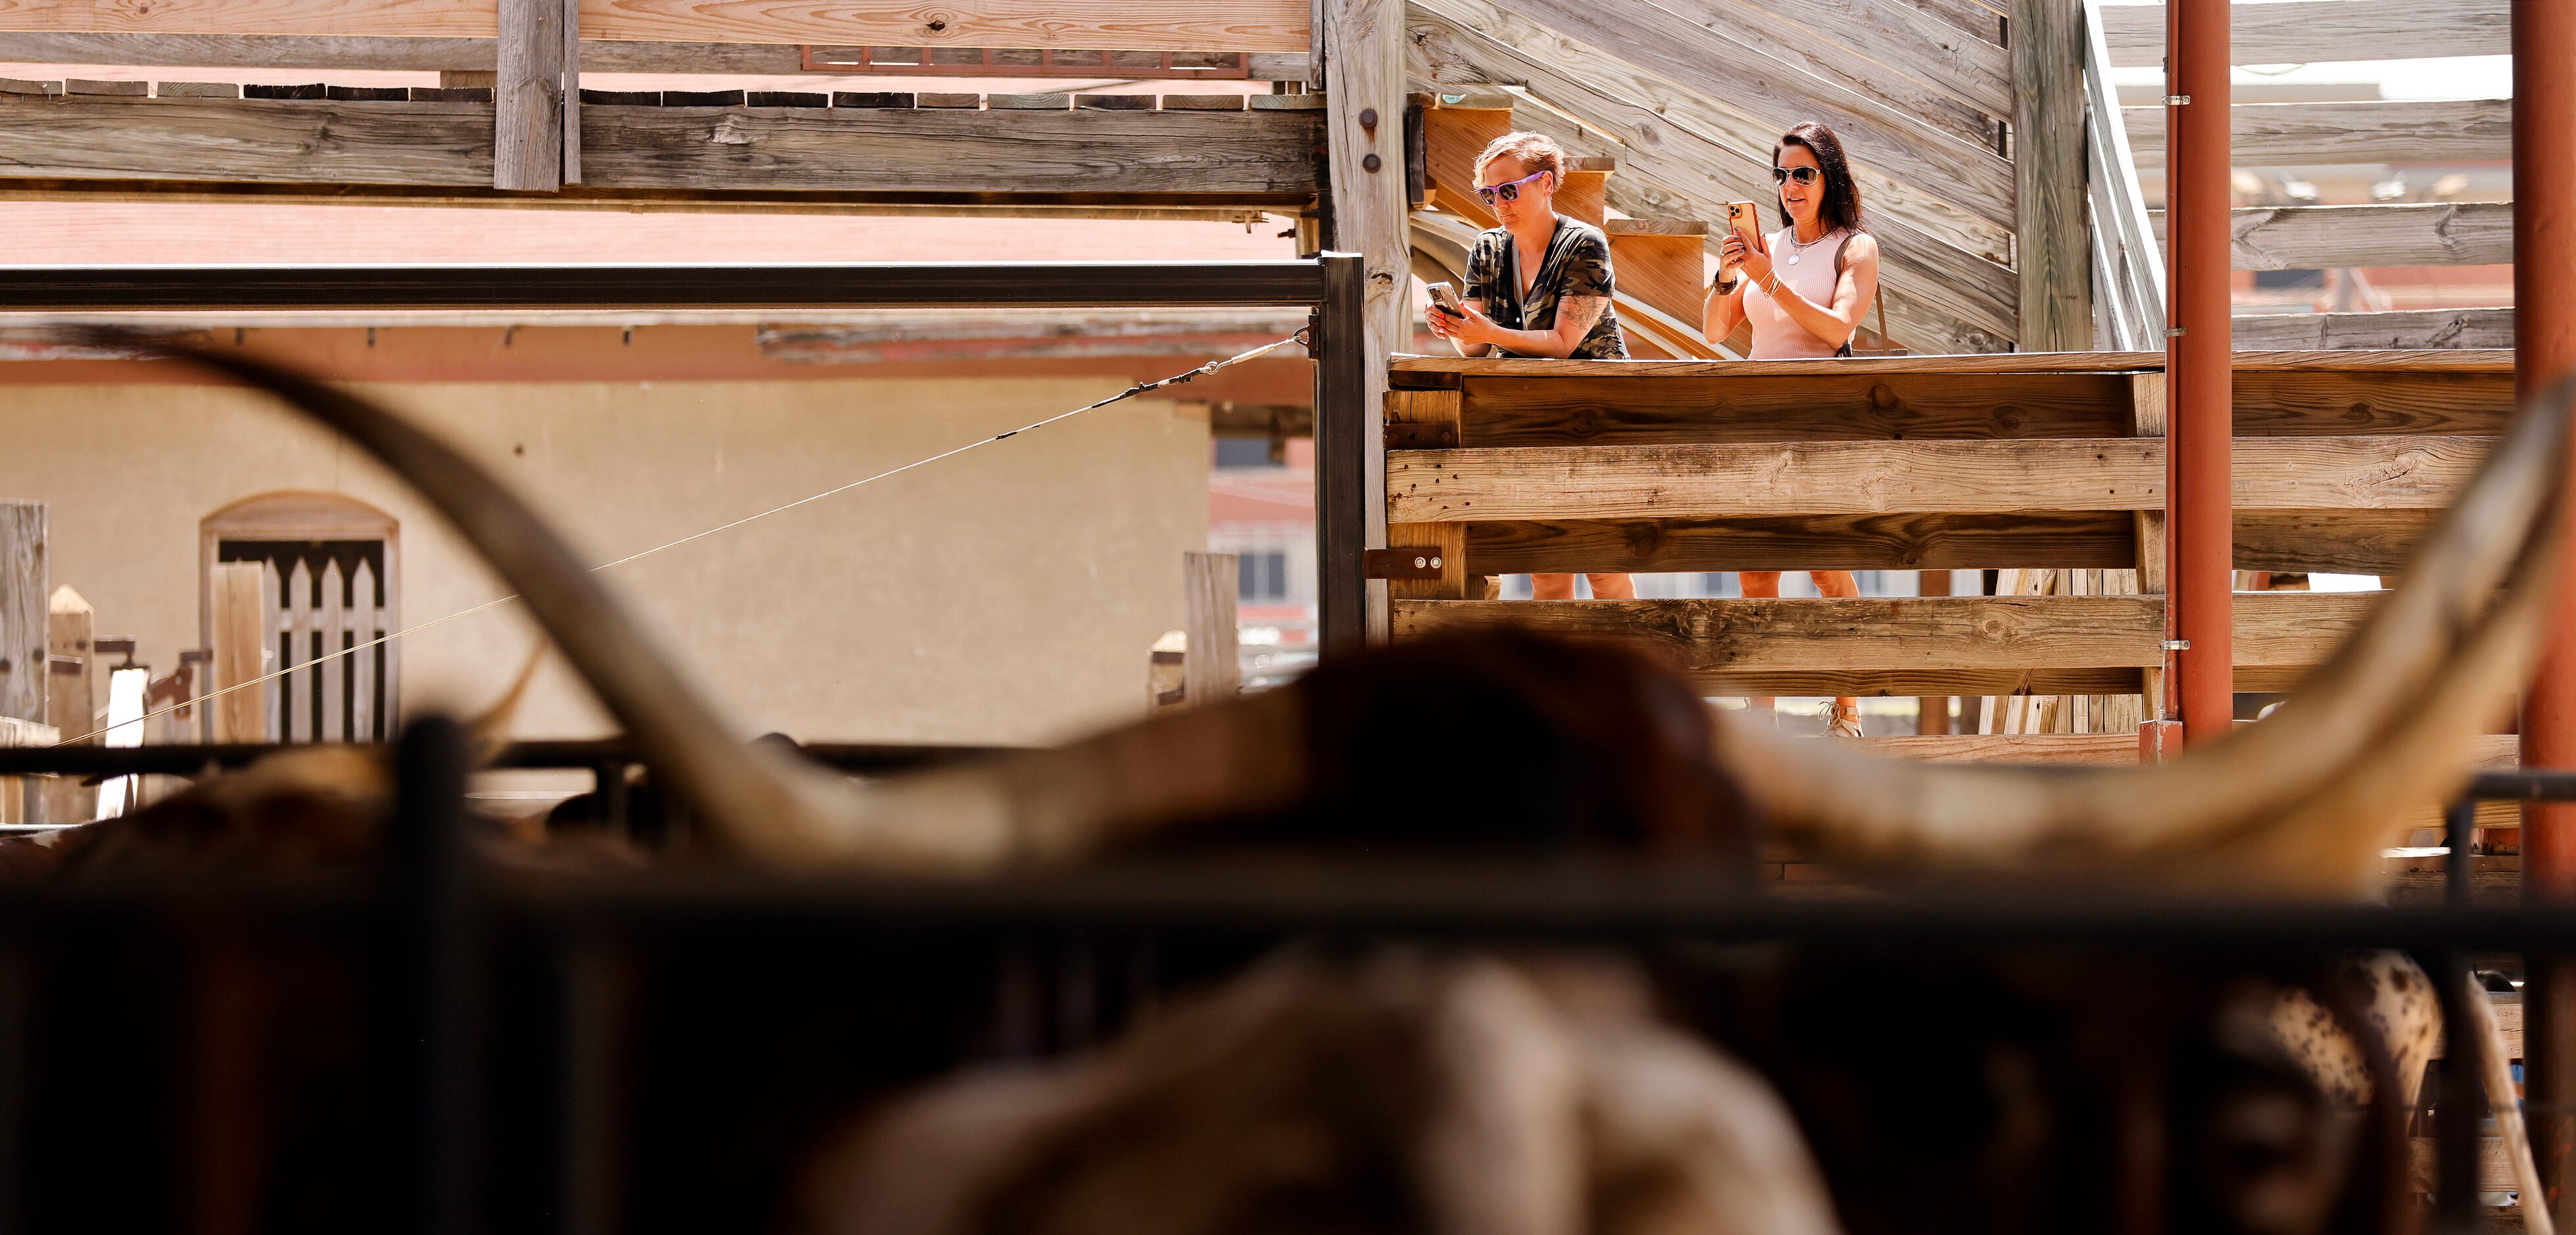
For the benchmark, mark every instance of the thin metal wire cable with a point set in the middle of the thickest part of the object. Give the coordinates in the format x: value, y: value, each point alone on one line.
x: 1129, y: 393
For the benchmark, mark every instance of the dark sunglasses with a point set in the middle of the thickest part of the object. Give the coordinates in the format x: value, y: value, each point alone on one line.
x: 1803, y: 175
x: 1507, y: 192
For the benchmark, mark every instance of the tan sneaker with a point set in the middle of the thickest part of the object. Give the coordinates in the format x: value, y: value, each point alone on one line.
x: 1841, y: 721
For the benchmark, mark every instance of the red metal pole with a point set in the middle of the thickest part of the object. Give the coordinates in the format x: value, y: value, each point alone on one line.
x: 2197, y: 363
x: 2544, y: 293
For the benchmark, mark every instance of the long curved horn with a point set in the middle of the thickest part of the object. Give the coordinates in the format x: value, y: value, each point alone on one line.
x: 2298, y: 803
x: 769, y: 805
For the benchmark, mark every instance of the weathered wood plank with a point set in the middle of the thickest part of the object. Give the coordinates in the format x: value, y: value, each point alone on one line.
x: 1717, y: 65
x: 2281, y: 636
x: 2018, y: 362
x: 2344, y: 403
x: 2377, y: 131
x: 2303, y: 33
x: 2358, y: 542
x: 2052, y: 748
x: 1887, y: 51
x: 2378, y: 472
x: 1735, y: 480
x: 2409, y: 328
x: 2094, y: 540
x: 1213, y: 674
x: 71, y: 697
x: 528, y: 97
x: 1130, y: 156
x: 1363, y: 42
x: 1115, y: 25
x: 2410, y: 234
x: 24, y: 605
x: 1502, y: 411
x: 2052, y: 245
x: 238, y: 597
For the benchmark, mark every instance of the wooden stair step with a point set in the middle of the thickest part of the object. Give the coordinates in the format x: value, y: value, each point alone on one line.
x: 1659, y: 261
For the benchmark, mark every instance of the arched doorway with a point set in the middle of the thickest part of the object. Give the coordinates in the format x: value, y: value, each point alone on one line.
x: 333, y: 569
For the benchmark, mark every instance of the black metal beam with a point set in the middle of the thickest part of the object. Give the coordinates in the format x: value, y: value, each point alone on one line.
x: 1342, y: 420
x: 785, y: 285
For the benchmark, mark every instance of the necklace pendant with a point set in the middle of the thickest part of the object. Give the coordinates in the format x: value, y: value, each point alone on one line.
x: 1793, y: 259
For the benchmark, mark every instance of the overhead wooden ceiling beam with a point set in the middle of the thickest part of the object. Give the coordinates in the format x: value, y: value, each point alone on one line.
x: 968, y: 157
x: 2317, y: 30
x: 1112, y: 25
x: 452, y: 55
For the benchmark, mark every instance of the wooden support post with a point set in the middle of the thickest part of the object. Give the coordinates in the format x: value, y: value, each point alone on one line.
x: 528, y: 102
x: 71, y: 700
x: 240, y: 641
x: 2126, y: 714
x: 1212, y: 673
x: 1932, y: 712
x: 2544, y: 222
x: 1363, y: 44
x: 1447, y: 540
x: 2052, y: 251
x: 24, y: 587
x: 571, y: 22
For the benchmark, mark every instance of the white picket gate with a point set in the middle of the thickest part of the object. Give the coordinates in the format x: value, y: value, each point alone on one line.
x: 325, y: 697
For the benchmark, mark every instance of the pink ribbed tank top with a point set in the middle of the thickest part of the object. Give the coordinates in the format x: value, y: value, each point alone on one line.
x: 1775, y: 335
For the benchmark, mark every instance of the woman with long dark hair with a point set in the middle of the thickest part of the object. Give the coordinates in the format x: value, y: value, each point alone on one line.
x: 1804, y: 289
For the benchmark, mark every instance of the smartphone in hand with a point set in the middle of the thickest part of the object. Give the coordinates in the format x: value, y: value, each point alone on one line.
x: 1743, y: 220
x: 1445, y: 299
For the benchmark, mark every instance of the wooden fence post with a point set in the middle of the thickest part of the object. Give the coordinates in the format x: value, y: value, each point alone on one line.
x: 1212, y: 672
x: 240, y: 637
x: 23, y: 658
x: 527, y: 97
x: 71, y: 704
x: 2052, y: 252
x: 1932, y: 712
x: 1364, y: 70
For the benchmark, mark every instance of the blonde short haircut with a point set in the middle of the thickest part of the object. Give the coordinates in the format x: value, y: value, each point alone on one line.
x: 1536, y: 151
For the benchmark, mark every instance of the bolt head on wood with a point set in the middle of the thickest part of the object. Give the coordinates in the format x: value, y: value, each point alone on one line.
x: 1368, y: 117
x: 1371, y: 162
x: 1421, y: 563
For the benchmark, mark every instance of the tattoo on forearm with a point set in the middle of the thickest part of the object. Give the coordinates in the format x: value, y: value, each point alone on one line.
x: 1582, y: 313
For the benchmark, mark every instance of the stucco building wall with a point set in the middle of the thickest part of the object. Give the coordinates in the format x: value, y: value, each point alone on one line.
x: 1006, y: 595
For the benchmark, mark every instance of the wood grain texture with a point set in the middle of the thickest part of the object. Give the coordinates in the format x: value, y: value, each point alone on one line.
x: 2281, y: 636
x: 24, y: 599
x: 1805, y: 542
x: 1447, y: 541
x: 2426, y: 361
x: 1731, y: 480
x: 528, y: 97
x: 2296, y: 402
x: 238, y: 603
x: 1200, y: 157
x: 1662, y: 269
x: 2082, y: 749
x: 2406, y: 328
x: 2376, y: 131
x: 1115, y: 25
x: 2318, y: 237
x: 2379, y: 472
x: 71, y: 626
x: 2052, y: 250
x: 1505, y: 411
x: 1715, y: 64
x: 1468, y: 41
x: 2303, y: 33
x: 2359, y: 542
x: 436, y: 55
x: 1886, y: 51
x: 1365, y: 161
x: 1213, y: 672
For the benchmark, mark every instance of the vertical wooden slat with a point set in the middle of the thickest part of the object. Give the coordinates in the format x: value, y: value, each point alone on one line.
x: 1448, y: 540
x: 571, y: 23
x: 2052, y: 250
x: 528, y: 115
x: 1932, y: 713
x: 334, y: 671
x: 70, y: 702
x: 23, y: 591
x: 362, y: 664
x: 239, y: 594
x: 296, y: 632
x: 1212, y: 673
x: 1364, y: 69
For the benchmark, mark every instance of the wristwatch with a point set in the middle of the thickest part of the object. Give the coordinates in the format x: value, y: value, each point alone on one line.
x: 1724, y: 285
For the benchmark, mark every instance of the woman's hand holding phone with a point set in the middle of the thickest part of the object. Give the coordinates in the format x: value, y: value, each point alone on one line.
x: 1753, y: 259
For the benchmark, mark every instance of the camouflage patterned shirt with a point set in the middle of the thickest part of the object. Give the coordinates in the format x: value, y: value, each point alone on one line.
x: 1577, y: 264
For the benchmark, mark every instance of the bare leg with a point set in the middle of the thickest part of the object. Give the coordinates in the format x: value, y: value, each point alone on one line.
x: 1840, y: 584
x: 1551, y: 587
x: 1759, y: 585
x: 1613, y: 587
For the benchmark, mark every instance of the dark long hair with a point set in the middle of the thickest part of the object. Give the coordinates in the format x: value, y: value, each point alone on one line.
x: 1841, y: 206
